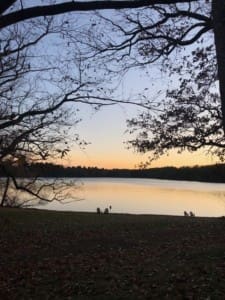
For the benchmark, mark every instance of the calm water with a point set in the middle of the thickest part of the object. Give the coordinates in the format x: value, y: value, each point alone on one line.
x: 147, y: 196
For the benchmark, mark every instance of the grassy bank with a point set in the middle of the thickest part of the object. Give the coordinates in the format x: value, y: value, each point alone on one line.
x: 63, y: 255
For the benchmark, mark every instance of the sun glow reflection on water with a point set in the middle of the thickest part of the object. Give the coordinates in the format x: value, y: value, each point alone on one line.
x: 148, y: 196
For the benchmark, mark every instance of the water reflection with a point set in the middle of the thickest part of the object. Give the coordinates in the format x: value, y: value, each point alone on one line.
x: 148, y: 196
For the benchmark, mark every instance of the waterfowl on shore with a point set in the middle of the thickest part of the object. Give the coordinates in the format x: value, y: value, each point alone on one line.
x: 192, y: 214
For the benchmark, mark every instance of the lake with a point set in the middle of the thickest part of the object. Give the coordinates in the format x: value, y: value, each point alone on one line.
x: 147, y: 196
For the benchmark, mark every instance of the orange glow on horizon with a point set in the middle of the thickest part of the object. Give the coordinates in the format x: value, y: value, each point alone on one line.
x: 128, y: 160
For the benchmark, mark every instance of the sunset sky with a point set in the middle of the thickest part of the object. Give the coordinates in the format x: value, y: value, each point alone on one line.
x: 105, y: 130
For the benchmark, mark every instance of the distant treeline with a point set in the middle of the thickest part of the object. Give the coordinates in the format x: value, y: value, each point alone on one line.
x: 211, y: 173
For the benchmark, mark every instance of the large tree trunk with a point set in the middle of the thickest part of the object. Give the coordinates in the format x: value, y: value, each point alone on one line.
x: 218, y: 14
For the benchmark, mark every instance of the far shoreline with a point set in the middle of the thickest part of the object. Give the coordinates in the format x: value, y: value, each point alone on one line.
x: 210, y: 173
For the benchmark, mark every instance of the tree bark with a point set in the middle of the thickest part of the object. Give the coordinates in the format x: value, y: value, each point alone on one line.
x: 6, y: 187
x: 218, y: 14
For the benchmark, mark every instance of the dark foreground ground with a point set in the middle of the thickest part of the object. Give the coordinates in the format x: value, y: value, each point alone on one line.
x: 57, y: 255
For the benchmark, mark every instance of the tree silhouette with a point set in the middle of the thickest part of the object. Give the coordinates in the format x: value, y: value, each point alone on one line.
x: 38, y: 104
x: 168, y: 24
x: 192, y: 118
x: 42, y: 78
x: 32, y: 120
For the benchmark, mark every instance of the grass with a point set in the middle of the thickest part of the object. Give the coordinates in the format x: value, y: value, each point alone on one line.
x: 67, y: 255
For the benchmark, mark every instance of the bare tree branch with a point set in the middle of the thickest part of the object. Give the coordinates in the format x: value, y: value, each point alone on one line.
x: 50, y: 10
